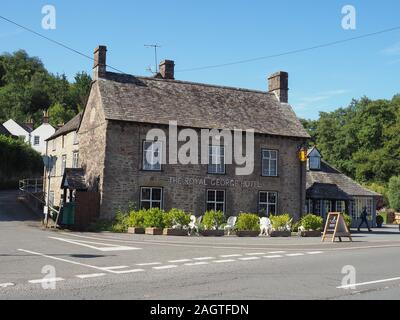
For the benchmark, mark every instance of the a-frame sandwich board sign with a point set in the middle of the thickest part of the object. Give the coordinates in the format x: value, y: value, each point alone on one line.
x: 336, y: 227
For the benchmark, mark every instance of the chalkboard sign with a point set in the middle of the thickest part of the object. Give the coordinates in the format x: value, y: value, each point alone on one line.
x: 336, y: 227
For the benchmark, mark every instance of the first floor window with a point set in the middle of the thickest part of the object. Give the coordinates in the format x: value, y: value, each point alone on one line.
x: 53, y: 171
x: 36, y: 140
x: 216, y: 159
x: 63, y: 164
x: 216, y: 200
x: 75, y: 159
x: 152, y: 151
x: 269, y: 163
x: 267, y: 203
x: 151, y: 198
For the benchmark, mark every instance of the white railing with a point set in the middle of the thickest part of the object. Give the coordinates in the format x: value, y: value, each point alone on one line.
x: 31, y: 185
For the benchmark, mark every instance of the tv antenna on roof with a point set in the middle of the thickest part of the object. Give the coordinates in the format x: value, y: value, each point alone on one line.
x: 155, y: 47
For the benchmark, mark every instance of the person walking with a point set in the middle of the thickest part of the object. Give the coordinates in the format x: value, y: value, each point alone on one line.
x: 364, y: 215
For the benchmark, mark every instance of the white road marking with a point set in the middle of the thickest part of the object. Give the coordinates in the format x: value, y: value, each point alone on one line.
x: 196, y: 264
x: 224, y: 261
x: 114, y: 268
x: 46, y: 280
x: 295, y: 254
x: 6, y: 285
x: 92, y: 275
x: 231, y: 255
x: 367, y: 283
x: 128, y: 271
x: 148, y: 264
x: 165, y: 267
x: 314, y: 252
x: 273, y: 257
x: 249, y: 258
x: 180, y: 261
x: 203, y: 258
x: 276, y: 252
x: 255, y: 254
x: 100, y: 246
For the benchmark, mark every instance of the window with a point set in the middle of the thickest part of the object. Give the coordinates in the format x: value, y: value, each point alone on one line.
x: 267, y: 203
x: 151, y: 198
x: 54, y: 144
x: 357, y: 205
x: 269, y: 163
x: 314, y: 163
x: 340, y: 206
x: 75, y: 159
x: 328, y: 206
x: 216, y: 200
x: 62, y: 141
x: 51, y: 199
x: 53, y: 167
x: 152, y: 152
x: 76, y: 138
x: 216, y: 159
x: 63, y: 164
x: 36, y: 140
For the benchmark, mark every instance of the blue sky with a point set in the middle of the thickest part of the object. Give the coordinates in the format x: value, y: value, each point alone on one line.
x: 201, y: 33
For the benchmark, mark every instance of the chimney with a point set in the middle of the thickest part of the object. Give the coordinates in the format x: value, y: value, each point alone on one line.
x: 278, y: 83
x: 167, y: 69
x: 29, y: 124
x: 45, y: 117
x: 100, y: 64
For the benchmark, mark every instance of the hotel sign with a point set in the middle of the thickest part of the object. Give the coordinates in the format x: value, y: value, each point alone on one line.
x: 215, y: 182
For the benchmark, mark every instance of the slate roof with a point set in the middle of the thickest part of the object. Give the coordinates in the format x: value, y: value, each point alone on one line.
x: 158, y: 101
x: 329, y: 183
x: 70, y: 126
x: 75, y: 179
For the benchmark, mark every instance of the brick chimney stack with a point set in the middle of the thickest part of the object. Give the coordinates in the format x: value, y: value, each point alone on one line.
x: 167, y: 69
x: 278, y: 83
x: 45, y: 117
x: 100, y: 62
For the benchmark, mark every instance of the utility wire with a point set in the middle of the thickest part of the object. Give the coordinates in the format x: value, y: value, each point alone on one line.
x: 324, y: 45
x: 56, y: 42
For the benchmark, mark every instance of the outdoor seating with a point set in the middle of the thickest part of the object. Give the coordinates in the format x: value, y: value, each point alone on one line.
x: 230, y: 224
x: 265, y: 226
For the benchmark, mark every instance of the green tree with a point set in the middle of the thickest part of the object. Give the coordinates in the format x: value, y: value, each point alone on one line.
x: 394, y: 193
x: 59, y: 114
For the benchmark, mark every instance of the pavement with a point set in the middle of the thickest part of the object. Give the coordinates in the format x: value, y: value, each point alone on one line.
x: 41, y: 264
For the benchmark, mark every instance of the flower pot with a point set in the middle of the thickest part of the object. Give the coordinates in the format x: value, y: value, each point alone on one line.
x: 278, y: 234
x: 136, y: 231
x: 212, y: 233
x: 310, y: 234
x: 252, y: 234
x: 175, y: 232
x: 154, y: 231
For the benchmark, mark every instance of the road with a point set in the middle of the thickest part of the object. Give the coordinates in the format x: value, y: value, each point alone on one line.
x: 120, y: 266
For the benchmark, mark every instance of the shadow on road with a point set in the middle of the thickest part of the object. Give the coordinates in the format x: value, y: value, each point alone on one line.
x: 12, y: 210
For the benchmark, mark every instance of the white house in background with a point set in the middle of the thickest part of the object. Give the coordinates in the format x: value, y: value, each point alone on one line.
x: 36, y: 138
x: 20, y: 130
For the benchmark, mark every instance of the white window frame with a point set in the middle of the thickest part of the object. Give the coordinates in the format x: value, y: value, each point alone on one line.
x: 38, y: 140
x: 314, y: 163
x: 268, y: 204
x: 54, y: 144
x: 76, y: 138
x: 216, y: 159
x: 151, y: 200
x: 53, y: 171
x: 75, y: 159
x: 63, y: 164
x: 267, y: 161
x: 215, y: 202
x: 51, y: 199
x: 155, y: 146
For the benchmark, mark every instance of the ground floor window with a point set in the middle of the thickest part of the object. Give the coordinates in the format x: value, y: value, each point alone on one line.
x: 328, y: 206
x: 340, y: 206
x: 151, y: 198
x: 357, y: 206
x: 215, y: 200
x: 309, y: 206
x: 267, y: 203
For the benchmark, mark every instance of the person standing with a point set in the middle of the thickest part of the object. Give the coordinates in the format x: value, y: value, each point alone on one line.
x: 364, y: 215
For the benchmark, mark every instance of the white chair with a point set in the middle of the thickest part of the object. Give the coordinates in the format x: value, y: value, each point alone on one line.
x: 194, y: 224
x: 265, y: 226
x: 230, y: 225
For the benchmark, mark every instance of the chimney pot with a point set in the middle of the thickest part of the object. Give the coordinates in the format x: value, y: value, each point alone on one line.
x: 167, y: 69
x: 100, y: 62
x: 278, y: 83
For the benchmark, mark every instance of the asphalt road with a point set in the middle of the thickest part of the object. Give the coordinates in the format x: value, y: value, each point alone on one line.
x: 39, y: 264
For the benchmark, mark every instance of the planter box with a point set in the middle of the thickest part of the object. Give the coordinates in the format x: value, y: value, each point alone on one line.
x: 310, y: 234
x: 154, y: 231
x: 278, y: 234
x: 212, y: 233
x: 252, y: 234
x: 136, y: 231
x: 175, y: 232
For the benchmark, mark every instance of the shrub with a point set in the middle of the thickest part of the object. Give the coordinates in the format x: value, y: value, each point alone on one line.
x: 136, y: 219
x: 280, y: 222
x: 100, y: 225
x: 248, y: 222
x: 348, y: 220
x: 154, y: 218
x: 379, y: 220
x: 311, y: 222
x: 213, y: 220
x: 176, y: 218
x: 394, y: 193
x: 120, y: 223
x: 296, y: 226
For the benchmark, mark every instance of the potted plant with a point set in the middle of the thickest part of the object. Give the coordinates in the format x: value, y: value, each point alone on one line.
x: 348, y: 220
x: 154, y: 221
x: 281, y: 226
x: 311, y: 226
x: 176, y: 223
x: 248, y: 225
x: 379, y: 221
x: 136, y: 222
x: 212, y: 222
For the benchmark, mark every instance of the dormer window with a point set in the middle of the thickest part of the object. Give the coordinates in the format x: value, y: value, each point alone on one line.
x: 314, y: 159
